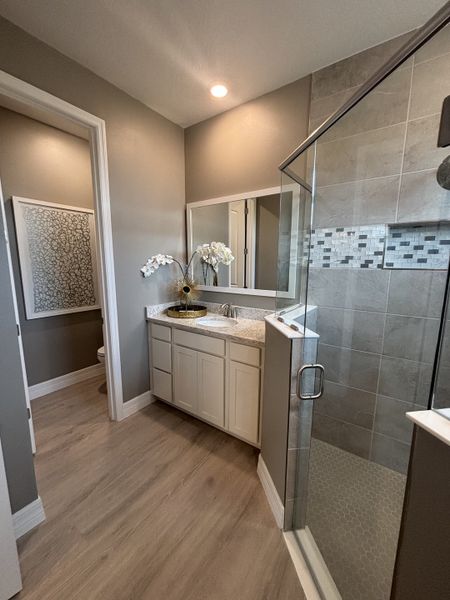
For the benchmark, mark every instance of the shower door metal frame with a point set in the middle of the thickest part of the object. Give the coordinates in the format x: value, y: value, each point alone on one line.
x: 440, y: 343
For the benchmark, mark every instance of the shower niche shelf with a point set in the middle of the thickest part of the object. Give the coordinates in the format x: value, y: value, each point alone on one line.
x: 419, y: 245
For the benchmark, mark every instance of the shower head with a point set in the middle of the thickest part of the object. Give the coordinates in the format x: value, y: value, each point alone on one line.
x: 443, y: 172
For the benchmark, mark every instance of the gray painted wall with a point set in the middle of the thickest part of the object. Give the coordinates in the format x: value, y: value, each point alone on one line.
x: 146, y: 175
x: 240, y: 150
x: 14, y: 432
x: 44, y: 163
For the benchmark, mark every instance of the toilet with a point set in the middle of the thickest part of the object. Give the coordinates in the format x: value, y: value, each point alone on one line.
x: 101, y: 355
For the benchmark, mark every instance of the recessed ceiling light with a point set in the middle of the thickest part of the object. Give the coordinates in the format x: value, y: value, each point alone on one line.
x: 218, y: 90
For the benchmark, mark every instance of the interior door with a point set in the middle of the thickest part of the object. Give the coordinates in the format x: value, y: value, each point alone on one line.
x: 16, y: 313
x: 10, y: 580
x: 236, y: 236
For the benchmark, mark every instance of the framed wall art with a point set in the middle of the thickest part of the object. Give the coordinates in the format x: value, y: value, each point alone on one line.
x: 58, y: 259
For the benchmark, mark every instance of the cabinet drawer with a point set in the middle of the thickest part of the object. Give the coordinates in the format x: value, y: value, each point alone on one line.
x: 162, y: 385
x: 161, y: 332
x: 245, y: 354
x: 161, y: 355
x: 199, y: 342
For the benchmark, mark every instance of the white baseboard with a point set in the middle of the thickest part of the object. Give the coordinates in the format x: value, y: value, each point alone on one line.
x: 271, y: 492
x: 303, y: 573
x: 28, y: 517
x: 58, y: 383
x: 136, y: 404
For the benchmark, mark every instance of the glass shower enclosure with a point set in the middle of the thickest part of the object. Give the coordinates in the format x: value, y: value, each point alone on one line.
x: 371, y: 261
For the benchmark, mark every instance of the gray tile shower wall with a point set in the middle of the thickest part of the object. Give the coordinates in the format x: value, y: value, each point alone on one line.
x: 363, y: 202
x: 378, y: 326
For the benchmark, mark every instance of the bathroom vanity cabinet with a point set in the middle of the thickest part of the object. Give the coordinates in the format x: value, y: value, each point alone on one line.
x: 214, y: 379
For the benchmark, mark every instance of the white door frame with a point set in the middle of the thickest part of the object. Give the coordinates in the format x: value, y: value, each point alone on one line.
x: 32, y: 96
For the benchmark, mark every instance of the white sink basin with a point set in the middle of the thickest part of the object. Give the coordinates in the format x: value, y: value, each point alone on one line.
x: 217, y: 321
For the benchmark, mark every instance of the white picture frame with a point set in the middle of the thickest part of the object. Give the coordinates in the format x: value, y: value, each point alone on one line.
x: 28, y: 275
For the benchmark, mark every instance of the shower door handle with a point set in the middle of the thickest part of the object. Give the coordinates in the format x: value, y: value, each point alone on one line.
x: 299, y: 382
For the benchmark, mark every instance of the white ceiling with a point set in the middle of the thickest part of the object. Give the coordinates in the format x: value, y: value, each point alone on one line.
x: 167, y: 53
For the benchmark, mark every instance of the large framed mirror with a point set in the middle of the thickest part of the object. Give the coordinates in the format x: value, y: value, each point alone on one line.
x: 249, y: 223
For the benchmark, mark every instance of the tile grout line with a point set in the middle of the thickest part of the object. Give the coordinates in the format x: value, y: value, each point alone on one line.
x: 378, y: 312
x: 419, y: 118
x: 402, y: 67
x: 402, y: 164
x: 362, y: 133
x: 356, y: 389
x: 388, y: 288
x: 391, y: 175
x: 339, y: 420
x: 427, y: 60
x: 411, y: 360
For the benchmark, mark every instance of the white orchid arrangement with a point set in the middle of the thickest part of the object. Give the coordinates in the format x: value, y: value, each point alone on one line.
x: 212, y: 254
x: 156, y: 261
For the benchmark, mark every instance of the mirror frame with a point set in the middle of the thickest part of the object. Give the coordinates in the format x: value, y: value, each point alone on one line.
x: 246, y: 196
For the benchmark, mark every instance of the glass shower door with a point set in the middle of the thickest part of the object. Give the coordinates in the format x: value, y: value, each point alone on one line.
x: 353, y: 444
x: 372, y: 259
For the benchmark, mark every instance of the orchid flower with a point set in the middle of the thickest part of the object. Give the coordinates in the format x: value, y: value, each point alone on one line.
x: 213, y: 254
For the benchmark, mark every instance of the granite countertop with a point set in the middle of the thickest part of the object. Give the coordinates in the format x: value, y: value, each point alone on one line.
x: 248, y: 331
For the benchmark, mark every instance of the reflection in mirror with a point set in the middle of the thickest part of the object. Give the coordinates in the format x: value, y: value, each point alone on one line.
x: 250, y: 225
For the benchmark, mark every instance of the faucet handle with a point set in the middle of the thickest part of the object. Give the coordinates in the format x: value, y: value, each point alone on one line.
x: 225, y: 308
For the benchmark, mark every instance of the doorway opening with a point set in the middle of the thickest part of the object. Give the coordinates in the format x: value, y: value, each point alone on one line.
x: 26, y: 102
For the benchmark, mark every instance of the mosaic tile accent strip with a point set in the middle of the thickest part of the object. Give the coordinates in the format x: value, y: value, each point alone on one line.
x: 361, y: 247
x: 418, y: 247
x: 424, y: 246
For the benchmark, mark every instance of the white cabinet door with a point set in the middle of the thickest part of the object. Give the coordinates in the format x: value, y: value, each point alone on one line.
x: 185, y: 378
x: 10, y: 581
x: 243, y: 401
x: 211, y: 388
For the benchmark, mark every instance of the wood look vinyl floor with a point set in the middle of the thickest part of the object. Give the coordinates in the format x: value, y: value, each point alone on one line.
x: 158, y: 507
